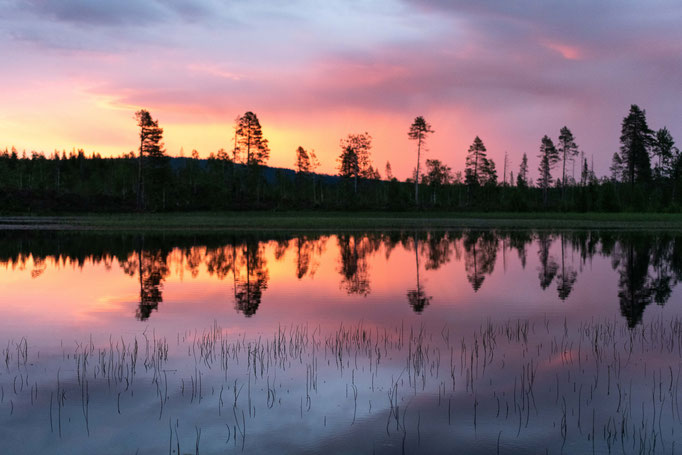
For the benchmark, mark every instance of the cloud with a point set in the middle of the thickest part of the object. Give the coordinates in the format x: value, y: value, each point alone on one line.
x: 114, y: 13
x: 510, y: 70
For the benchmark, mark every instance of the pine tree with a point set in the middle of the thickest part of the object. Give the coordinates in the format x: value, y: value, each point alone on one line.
x: 616, y: 167
x: 636, y: 139
x: 150, y: 145
x: 302, y: 163
x: 389, y: 171
x: 522, y: 177
x: 488, y: 172
x: 418, y: 132
x: 568, y: 150
x: 474, y: 161
x: 664, y: 150
x: 548, y: 159
x: 249, y: 140
x: 354, y: 161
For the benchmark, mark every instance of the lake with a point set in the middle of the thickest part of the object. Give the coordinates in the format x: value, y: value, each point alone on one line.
x: 455, y: 341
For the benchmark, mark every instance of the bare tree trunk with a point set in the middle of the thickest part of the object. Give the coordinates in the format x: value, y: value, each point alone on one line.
x: 563, y: 178
x: 139, y: 176
x: 416, y: 179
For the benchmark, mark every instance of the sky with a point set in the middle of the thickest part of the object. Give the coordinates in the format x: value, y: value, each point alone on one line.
x: 75, y: 71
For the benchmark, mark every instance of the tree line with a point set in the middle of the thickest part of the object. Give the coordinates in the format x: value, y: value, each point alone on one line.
x: 644, y: 176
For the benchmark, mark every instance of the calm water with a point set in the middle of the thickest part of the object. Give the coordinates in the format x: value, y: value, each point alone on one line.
x: 384, y: 342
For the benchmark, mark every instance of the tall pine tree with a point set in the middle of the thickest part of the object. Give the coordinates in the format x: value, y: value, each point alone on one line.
x: 635, y: 141
x: 549, y: 156
x: 475, y: 162
x: 418, y: 132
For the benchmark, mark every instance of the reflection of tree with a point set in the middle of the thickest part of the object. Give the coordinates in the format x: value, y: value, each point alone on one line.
x: 480, y: 255
x: 354, y: 268
x: 152, y: 271
x: 567, y: 276
x: 635, y: 291
x: 417, y: 297
x: 548, y: 266
x: 519, y: 240
x: 306, y: 252
x: 437, y: 249
x: 281, y: 249
x: 663, y: 279
x: 251, y: 279
x: 194, y: 258
x: 219, y: 261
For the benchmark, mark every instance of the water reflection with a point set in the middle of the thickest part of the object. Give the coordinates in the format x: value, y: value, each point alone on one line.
x: 250, y: 274
x: 417, y: 297
x: 646, y: 267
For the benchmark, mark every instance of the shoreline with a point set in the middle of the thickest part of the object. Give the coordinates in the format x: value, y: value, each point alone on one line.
x: 316, y: 221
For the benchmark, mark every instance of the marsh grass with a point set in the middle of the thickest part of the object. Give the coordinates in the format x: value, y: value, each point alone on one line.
x: 596, y: 386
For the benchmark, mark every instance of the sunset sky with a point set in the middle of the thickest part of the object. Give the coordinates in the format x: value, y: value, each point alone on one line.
x: 75, y: 71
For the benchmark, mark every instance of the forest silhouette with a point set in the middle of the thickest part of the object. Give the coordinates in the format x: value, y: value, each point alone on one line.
x: 644, y: 176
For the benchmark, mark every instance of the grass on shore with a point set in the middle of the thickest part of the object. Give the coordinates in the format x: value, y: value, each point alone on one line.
x: 298, y: 220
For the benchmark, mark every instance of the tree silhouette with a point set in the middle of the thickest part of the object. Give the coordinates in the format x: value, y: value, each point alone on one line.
x: 548, y: 159
x: 250, y: 141
x: 150, y: 145
x: 355, y: 161
x: 474, y: 161
x: 488, y: 173
x: 522, y: 177
x: 437, y: 175
x: 665, y: 151
x: 568, y: 150
x: 635, y: 141
x: 418, y: 132
x: 302, y: 162
x: 617, y: 168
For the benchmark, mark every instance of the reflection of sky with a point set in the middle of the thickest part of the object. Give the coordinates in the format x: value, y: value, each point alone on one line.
x: 316, y: 71
x: 66, y: 304
x: 99, y: 296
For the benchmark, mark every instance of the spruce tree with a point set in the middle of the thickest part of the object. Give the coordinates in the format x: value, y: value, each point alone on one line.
x: 474, y: 162
x: 568, y: 150
x: 549, y: 156
x: 636, y: 139
x: 522, y: 177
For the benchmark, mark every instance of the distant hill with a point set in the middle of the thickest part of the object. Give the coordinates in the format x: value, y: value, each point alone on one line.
x: 269, y: 173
